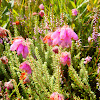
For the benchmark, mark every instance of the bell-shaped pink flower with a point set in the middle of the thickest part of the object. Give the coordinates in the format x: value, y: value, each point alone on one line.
x: 20, y: 49
x: 62, y: 36
x: 55, y: 49
x: 87, y: 59
x: 65, y: 58
x: 90, y: 39
x: 20, y: 46
x: 41, y: 6
x: 74, y: 12
x: 8, y: 85
x: 26, y: 67
x: 3, y: 32
x: 56, y: 96
x: 41, y: 13
x: 4, y: 59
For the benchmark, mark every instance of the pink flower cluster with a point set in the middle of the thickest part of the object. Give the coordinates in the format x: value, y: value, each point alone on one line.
x: 62, y: 36
x: 65, y: 58
x: 56, y: 96
x: 20, y: 46
x: 26, y: 67
x: 87, y: 59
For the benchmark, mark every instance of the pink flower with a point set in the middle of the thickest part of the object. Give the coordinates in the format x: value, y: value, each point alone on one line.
x: 98, y: 70
x: 20, y: 46
x: 74, y: 12
x: 99, y: 27
x: 72, y: 34
x: 90, y: 39
x: 8, y: 85
x: 1, y: 41
x: 65, y: 58
x: 56, y: 96
x: 0, y: 89
x: 56, y: 41
x: 87, y: 59
x: 2, y: 32
x: 55, y: 49
x: 4, y: 59
x: 34, y: 13
x: 62, y: 36
x: 26, y: 67
x: 66, y: 42
x: 78, y: 43
x: 41, y: 13
x: 41, y: 6
x: 55, y: 34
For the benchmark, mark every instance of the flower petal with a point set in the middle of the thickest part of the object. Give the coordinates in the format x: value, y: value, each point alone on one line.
x: 15, y: 45
x: 63, y: 34
x: 55, y: 34
x: 20, y: 49
x: 25, y: 52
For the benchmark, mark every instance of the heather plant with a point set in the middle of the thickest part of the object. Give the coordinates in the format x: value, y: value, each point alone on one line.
x: 49, y: 49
